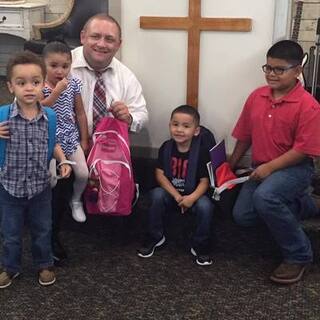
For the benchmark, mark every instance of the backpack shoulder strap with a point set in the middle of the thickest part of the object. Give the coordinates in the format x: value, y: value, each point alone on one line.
x: 4, y: 115
x: 167, y: 151
x: 207, y: 138
x: 52, y: 123
x: 194, y: 152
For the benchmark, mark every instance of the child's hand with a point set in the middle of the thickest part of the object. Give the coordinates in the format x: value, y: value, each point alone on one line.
x: 65, y: 170
x: 178, y: 198
x: 4, y: 130
x: 62, y: 85
x: 186, y: 203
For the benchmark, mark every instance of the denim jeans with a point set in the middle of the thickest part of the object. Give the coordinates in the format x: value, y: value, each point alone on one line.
x: 280, y: 201
x: 161, y: 204
x: 37, y: 213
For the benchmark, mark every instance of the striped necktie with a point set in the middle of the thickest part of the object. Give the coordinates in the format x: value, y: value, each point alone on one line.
x: 99, y: 100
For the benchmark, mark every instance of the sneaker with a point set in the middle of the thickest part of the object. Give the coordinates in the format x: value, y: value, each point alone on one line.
x: 147, y: 249
x: 58, y: 252
x: 288, y: 273
x: 6, y: 278
x: 201, y: 259
x: 77, y: 211
x: 46, y: 277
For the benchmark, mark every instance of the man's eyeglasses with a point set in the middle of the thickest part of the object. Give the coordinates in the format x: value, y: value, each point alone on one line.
x: 276, y: 70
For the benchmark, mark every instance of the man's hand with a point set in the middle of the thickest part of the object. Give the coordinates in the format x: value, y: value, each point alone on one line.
x: 121, y: 112
x: 4, y: 130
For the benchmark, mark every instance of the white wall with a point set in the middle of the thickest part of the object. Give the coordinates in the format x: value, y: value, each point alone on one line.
x: 230, y: 63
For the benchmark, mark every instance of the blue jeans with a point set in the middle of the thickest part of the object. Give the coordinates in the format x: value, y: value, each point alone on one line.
x: 280, y: 201
x: 37, y: 212
x: 161, y: 204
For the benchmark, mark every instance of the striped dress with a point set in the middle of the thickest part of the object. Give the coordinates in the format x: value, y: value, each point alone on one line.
x: 67, y: 130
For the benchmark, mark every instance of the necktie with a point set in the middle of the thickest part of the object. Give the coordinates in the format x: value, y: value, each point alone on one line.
x: 99, y: 100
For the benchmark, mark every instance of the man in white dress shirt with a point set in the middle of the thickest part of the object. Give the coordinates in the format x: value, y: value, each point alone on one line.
x: 101, y: 39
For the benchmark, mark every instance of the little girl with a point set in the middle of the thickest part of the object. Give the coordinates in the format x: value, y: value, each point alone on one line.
x: 62, y: 93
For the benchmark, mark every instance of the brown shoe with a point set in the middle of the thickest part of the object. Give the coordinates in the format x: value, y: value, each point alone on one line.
x: 46, y: 277
x: 288, y: 273
x: 6, y: 278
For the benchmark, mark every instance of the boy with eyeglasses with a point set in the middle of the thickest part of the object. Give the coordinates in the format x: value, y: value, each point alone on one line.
x: 281, y: 124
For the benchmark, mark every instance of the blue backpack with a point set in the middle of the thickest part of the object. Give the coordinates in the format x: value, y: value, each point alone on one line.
x: 4, y: 115
x: 205, y: 140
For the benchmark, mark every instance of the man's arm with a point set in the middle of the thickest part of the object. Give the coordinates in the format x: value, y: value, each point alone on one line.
x: 239, y: 150
x: 134, y: 100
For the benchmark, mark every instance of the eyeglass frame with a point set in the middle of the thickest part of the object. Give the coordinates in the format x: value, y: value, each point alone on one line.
x: 280, y: 70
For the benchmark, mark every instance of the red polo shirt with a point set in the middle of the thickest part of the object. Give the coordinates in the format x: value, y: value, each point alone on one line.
x: 273, y: 127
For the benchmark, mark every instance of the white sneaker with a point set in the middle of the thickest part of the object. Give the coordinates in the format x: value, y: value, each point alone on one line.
x: 77, y: 211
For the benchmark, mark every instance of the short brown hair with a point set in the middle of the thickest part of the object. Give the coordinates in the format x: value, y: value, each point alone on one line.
x: 25, y: 57
x: 102, y: 16
x: 186, y: 109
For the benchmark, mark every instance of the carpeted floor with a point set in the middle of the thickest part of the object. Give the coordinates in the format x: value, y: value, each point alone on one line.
x: 104, y: 278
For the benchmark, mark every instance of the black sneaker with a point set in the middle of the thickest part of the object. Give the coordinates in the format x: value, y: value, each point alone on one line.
x: 59, y: 253
x: 147, y: 249
x: 201, y: 259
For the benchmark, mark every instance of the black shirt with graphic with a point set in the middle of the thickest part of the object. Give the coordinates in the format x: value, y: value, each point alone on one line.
x: 179, y: 166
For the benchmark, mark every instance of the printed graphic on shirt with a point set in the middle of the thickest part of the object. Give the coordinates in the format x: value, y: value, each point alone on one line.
x: 179, y: 167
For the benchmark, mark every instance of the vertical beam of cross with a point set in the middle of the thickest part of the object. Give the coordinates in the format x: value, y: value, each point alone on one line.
x: 194, y: 24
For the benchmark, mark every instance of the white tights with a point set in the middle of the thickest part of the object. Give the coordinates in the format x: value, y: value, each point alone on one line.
x: 81, y: 173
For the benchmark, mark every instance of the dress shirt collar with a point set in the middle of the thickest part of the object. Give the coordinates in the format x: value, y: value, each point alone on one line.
x: 80, y: 62
x: 293, y: 96
x: 15, y: 110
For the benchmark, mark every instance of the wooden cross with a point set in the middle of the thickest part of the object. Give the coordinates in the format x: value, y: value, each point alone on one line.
x: 194, y: 24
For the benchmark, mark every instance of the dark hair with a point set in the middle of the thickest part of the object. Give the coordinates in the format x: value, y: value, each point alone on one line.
x: 56, y: 47
x: 286, y: 50
x: 105, y: 17
x: 25, y: 57
x: 187, y: 110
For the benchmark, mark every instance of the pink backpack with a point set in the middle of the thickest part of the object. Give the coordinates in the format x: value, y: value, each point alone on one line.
x: 111, y: 185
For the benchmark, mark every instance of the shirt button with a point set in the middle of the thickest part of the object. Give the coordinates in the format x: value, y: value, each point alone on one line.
x: 270, y: 116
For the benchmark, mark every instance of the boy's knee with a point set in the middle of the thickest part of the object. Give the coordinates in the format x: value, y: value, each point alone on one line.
x: 204, y: 204
x: 158, y: 194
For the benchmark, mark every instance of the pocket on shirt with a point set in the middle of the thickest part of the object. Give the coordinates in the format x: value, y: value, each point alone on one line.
x: 40, y: 143
x: 283, y: 132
